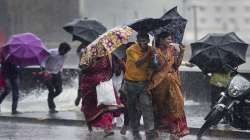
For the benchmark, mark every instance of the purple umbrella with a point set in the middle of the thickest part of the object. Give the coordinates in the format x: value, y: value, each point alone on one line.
x: 25, y: 49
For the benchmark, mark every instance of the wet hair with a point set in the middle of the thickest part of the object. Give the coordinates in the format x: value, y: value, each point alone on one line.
x: 64, y: 47
x: 162, y: 36
x: 142, y: 35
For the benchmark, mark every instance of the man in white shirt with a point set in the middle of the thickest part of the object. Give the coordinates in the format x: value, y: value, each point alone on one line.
x: 53, y: 66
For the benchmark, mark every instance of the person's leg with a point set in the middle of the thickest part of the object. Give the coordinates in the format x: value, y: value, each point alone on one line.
x: 133, y: 113
x: 57, y: 87
x: 58, y: 84
x: 125, y: 123
x: 147, y: 113
x: 126, y: 117
x: 78, y: 98
x: 6, y: 90
x: 50, y: 87
x: 14, y: 82
x: 108, y: 128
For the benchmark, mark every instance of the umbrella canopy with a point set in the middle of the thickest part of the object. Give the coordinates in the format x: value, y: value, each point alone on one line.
x: 176, y: 25
x: 214, y: 51
x: 25, y: 49
x: 147, y: 24
x: 85, y: 30
x: 106, y: 43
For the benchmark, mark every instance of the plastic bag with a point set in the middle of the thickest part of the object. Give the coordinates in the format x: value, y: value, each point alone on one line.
x: 105, y: 93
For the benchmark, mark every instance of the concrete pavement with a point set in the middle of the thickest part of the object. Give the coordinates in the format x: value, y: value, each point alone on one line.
x: 194, y: 114
x: 31, y: 131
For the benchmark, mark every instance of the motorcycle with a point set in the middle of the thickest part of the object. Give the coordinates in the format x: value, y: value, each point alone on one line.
x: 230, y: 104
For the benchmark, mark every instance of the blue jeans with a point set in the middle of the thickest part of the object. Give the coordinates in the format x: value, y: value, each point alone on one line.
x: 139, y: 104
x: 11, y: 84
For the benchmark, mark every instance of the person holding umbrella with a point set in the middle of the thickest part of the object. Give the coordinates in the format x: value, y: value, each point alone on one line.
x: 165, y: 88
x: 11, y: 74
x: 86, y: 31
x: 137, y: 74
x: 79, y: 51
x: 96, y: 65
x: 21, y: 50
x: 217, y: 55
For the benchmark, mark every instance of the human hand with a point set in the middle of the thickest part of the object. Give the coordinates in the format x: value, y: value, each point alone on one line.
x: 46, y: 75
x: 34, y: 73
x: 182, y: 47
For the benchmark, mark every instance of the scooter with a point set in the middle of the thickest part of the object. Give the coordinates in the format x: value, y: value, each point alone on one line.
x: 229, y: 104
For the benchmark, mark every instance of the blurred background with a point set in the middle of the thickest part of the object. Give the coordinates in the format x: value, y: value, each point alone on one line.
x: 45, y: 18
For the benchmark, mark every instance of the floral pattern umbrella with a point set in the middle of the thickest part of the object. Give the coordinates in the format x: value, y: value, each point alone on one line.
x: 106, y: 43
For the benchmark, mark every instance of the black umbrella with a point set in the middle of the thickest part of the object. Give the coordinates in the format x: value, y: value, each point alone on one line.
x: 147, y: 24
x: 120, y: 52
x: 176, y: 25
x: 214, y: 51
x: 85, y: 30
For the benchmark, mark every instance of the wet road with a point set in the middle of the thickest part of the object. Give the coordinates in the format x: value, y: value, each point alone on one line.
x: 29, y: 131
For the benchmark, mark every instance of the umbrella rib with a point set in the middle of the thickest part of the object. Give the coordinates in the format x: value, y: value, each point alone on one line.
x: 10, y: 53
x: 223, y: 63
x: 232, y: 53
x: 35, y: 54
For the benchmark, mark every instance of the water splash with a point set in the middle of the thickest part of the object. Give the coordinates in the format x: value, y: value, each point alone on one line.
x: 36, y: 100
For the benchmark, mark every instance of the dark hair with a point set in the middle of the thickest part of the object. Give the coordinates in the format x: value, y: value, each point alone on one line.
x: 83, y: 44
x: 162, y: 36
x: 142, y: 35
x: 64, y: 47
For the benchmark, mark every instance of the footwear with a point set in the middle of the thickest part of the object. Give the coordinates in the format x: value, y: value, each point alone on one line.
x: 124, y: 130
x: 137, y: 136
x: 108, y: 132
x: 15, y: 112
x: 53, y: 111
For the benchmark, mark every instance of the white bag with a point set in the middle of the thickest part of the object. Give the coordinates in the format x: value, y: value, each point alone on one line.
x: 105, y: 93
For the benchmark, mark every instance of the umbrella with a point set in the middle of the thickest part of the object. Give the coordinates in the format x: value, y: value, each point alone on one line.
x: 214, y: 51
x: 147, y: 24
x: 176, y: 25
x: 120, y: 52
x: 107, y: 43
x: 25, y: 49
x: 85, y: 30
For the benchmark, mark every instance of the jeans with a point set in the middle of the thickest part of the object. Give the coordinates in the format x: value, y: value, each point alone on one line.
x: 11, y: 84
x: 54, y: 86
x: 139, y: 104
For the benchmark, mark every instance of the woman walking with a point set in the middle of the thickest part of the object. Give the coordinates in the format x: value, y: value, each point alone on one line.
x: 165, y: 87
x: 98, y: 70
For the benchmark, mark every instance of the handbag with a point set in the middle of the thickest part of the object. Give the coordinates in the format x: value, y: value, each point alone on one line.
x: 105, y: 93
